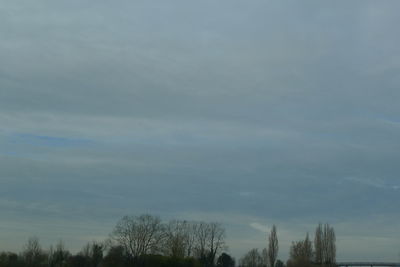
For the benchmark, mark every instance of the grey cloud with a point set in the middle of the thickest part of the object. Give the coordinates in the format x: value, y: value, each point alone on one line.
x: 259, y: 110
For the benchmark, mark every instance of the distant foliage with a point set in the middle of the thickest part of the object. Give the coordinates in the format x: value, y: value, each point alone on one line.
x: 144, y: 235
x: 252, y: 259
x: 33, y: 255
x: 9, y: 259
x: 146, y: 241
x: 137, y: 241
x: 301, y: 253
x: 225, y: 260
x: 325, y: 245
x: 273, y: 247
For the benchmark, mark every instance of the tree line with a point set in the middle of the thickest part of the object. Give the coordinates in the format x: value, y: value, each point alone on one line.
x: 303, y: 253
x: 146, y: 241
x: 136, y: 241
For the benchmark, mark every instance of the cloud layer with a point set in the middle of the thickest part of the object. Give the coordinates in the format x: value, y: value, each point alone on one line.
x: 250, y: 113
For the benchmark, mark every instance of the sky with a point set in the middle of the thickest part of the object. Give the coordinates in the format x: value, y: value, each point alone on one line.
x: 249, y: 113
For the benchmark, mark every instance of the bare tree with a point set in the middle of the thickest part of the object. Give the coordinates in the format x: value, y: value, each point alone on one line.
x: 210, y: 240
x: 264, y: 255
x: 201, y: 237
x: 93, y: 252
x: 147, y: 234
x: 176, y: 241
x: 216, y: 241
x: 330, y: 246
x: 325, y: 245
x: 301, y: 253
x: 273, y: 247
x: 318, y: 244
x: 191, y: 235
x: 139, y: 235
x: 251, y: 259
x: 33, y: 254
x: 59, y: 256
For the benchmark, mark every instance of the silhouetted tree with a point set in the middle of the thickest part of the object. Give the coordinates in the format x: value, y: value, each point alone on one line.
x: 191, y: 237
x: 225, y: 260
x: 318, y: 244
x: 33, y: 255
x: 251, y: 259
x: 115, y: 257
x: 301, y: 253
x: 273, y: 246
x: 93, y: 252
x: 279, y: 263
x: 264, y: 256
x: 210, y: 239
x: 59, y: 256
x: 201, y: 238
x: 325, y: 245
x: 150, y: 260
x: 10, y: 259
x: 139, y: 235
x: 78, y: 261
x: 176, y: 239
x: 216, y: 241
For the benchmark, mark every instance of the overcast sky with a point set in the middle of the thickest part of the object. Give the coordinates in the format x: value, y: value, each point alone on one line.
x: 250, y: 113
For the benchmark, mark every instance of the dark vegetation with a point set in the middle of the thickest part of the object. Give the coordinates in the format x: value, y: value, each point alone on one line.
x: 303, y: 253
x: 146, y: 241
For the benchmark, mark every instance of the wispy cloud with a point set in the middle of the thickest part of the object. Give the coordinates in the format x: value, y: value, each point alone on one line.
x: 246, y: 112
x: 51, y: 141
x: 260, y: 227
x: 377, y: 183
